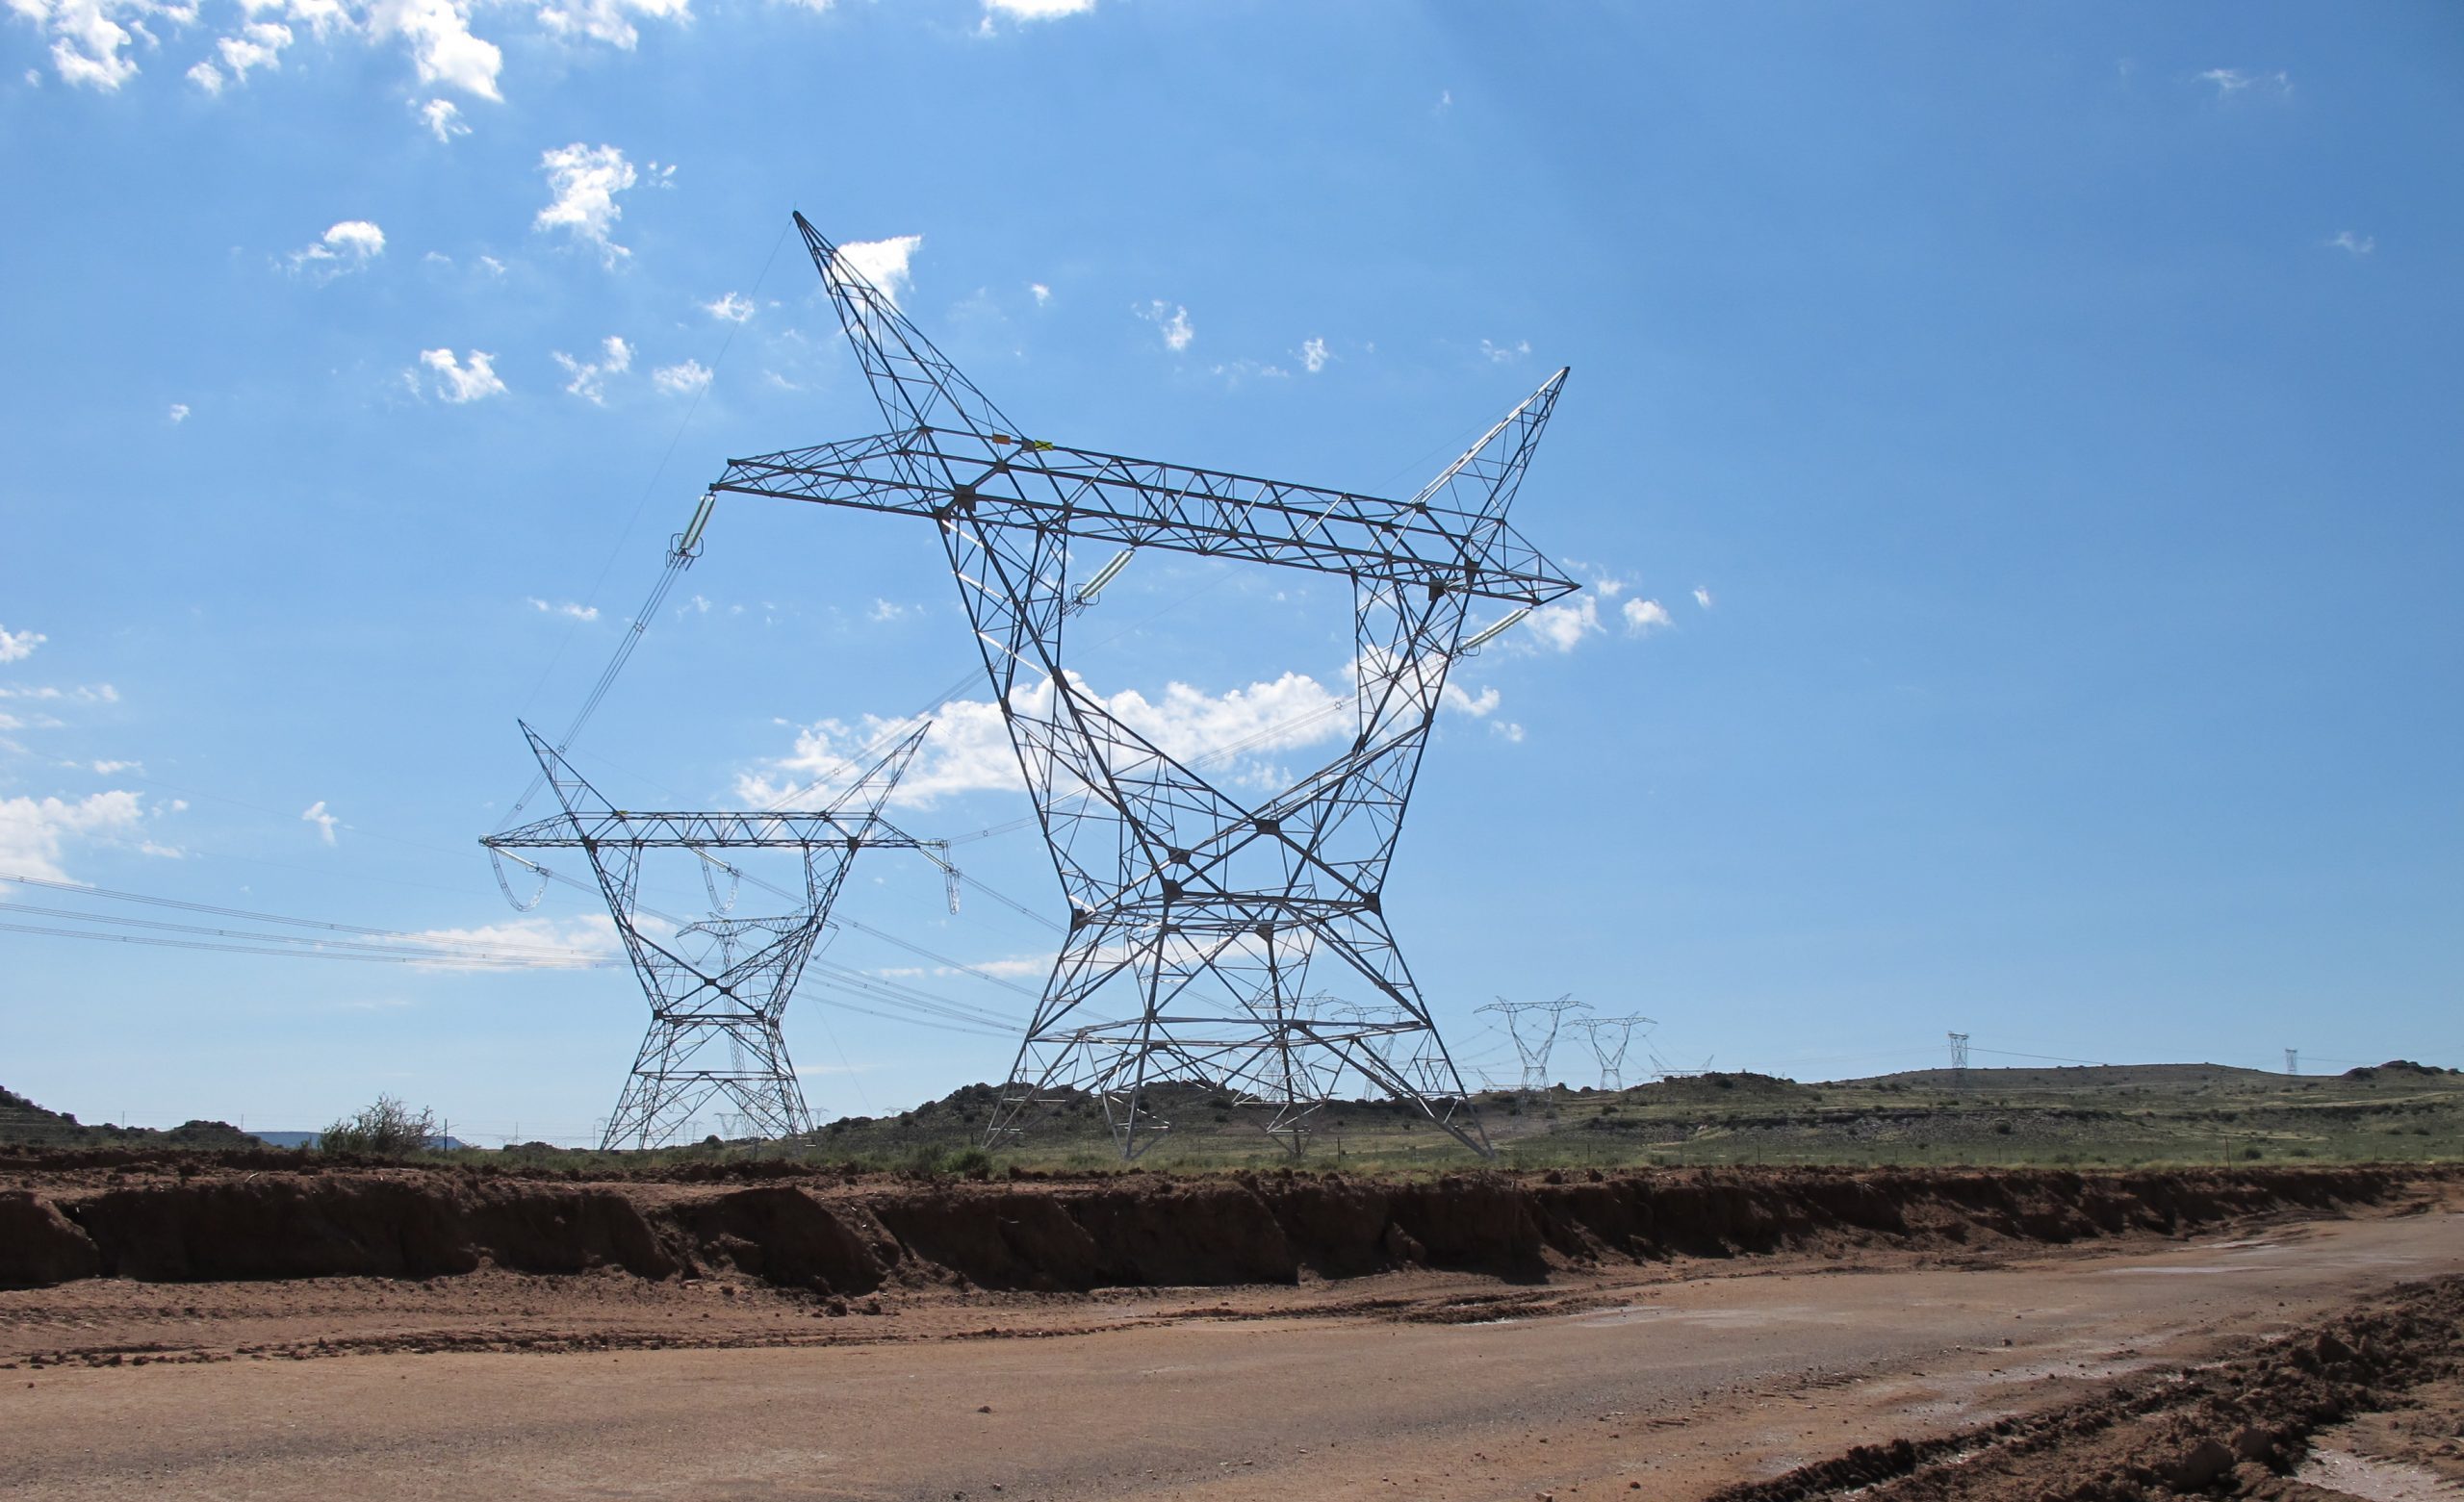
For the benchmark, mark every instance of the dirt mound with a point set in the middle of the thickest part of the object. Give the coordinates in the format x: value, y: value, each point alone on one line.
x: 831, y: 1235
x: 2236, y: 1428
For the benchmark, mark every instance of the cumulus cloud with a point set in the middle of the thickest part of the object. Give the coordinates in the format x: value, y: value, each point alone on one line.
x: 458, y: 382
x: 346, y: 248
x: 258, y: 44
x: 2353, y: 244
x: 583, y: 182
x: 179, y: 413
x: 443, y: 118
x: 1644, y: 615
x: 1506, y: 354
x: 1042, y: 293
x: 677, y: 379
x: 610, y: 21
x: 567, y: 608
x: 90, y: 37
x: 315, y: 814
x: 1235, y: 733
x: 1173, y: 320
x: 1313, y: 355
x: 882, y: 262
x: 86, y: 42
x: 33, y: 832
x: 1563, y: 628
x: 589, y: 380
x: 18, y: 645
x: 1703, y: 597
x: 730, y: 308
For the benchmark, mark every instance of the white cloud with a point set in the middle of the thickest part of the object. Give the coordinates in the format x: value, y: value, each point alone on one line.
x: 1035, y: 10
x: 1506, y: 354
x: 18, y: 645
x: 607, y: 20
x: 1042, y: 293
x: 259, y: 44
x: 583, y: 182
x: 83, y: 693
x: 1444, y: 99
x: 458, y: 383
x: 969, y: 749
x: 615, y: 358
x: 90, y: 38
x: 443, y: 119
x: 586, y: 942
x: 179, y: 413
x: 567, y: 608
x: 677, y: 379
x: 1313, y: 355
x: 1562, y: 628
x: 1508, y: 729
x: 881, y: 263
x: 442, y: 49
x: 888, y: 610
x: 2353, y: 244
x: 34, y: 831
x: 315, y: 814
x: 1703, y: 597
x: 731, y: 308
x: 1172, y: 320
x: 2231, y: 81
x: 105, y: 768
x: 1644, y: 615
x: 346, y: 248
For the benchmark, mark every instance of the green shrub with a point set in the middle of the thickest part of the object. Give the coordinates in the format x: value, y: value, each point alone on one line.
x: 387, y: 1128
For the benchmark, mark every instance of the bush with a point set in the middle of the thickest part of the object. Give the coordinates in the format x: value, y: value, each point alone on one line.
x: 388, y: 1128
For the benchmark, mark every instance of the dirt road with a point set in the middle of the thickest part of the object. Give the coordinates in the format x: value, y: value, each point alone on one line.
x: 1663, y: 1386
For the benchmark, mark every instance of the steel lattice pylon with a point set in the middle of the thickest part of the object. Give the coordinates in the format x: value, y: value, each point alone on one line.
x: 718, y: 989
x: 1195, y: 916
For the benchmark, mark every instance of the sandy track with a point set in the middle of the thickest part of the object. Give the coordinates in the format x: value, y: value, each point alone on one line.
x: 1655, y: 1386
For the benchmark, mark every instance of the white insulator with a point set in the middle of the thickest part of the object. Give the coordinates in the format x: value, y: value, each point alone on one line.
x: 1493, y: 630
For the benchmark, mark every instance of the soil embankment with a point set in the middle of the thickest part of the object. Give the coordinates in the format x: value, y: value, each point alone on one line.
x: 848, y: 1234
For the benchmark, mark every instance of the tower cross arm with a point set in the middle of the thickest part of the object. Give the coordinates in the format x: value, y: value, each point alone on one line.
x: 704, y: 831
x: 1000, y: 480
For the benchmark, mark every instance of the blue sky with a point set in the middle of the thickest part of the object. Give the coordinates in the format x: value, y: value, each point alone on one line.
x: 2014, y: 451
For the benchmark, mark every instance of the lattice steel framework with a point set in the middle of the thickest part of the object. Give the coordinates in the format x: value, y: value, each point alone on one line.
x: 1533, y: 1027
x: 1196, y: 916
x: 1610, y: 1038
x: 718, y: 989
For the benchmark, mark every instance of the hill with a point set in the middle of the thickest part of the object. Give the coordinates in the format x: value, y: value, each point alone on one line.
x: 23, y: 1122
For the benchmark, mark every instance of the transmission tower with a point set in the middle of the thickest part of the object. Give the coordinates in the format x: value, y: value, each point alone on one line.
x: 1959, y: 1060
x: 718, y: 989
x: 2293, y: 1061
x: 1196, y: 915
x: 1609, y: 1039
x: 1533, y: 1027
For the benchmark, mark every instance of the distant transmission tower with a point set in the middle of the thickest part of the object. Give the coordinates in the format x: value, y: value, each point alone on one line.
x: 1959, y: 1060
x: 1533, y: 1027
x: 2293, y: 1061
x: 1611, y: 1036
x: 1196, y: 911
x: 718, y: 989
